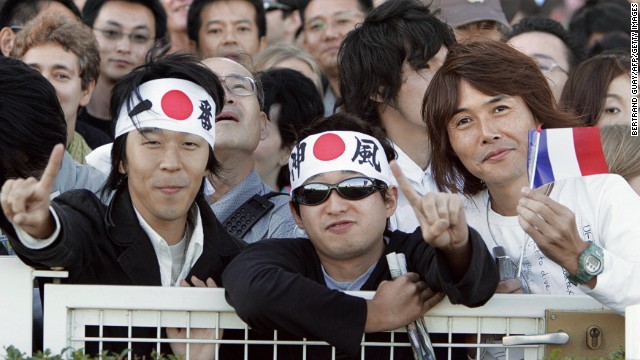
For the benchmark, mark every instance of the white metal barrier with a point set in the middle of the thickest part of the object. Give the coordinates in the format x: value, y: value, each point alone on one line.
x: 16, y: 302
x: 69, y: 308
x: 632, y: 332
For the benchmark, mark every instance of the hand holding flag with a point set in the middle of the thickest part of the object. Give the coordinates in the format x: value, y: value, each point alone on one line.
x: 556, y: 154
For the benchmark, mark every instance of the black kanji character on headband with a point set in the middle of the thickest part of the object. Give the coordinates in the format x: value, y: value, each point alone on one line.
x: 205, y: 116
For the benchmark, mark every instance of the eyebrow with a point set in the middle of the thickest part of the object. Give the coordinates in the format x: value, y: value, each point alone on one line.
x: 544, y: 56
x: 344, y: 12
x: 137, y: 27
x: 490, y: 101
x: 55, y: 66
x: 241, y: 21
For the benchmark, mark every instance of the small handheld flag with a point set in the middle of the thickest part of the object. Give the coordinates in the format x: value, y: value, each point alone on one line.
x: 556, y: 154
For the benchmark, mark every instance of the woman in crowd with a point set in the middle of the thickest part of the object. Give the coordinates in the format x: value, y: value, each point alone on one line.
x: 598, y: 90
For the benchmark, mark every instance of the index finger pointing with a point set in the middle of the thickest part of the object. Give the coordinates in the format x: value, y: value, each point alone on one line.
x: 53, y: 166
x: 404, y: 185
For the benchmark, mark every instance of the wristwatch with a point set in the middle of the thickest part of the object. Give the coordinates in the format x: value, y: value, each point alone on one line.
x: 590, y: 264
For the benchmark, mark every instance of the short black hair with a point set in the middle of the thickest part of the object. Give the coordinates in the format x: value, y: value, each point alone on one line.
x: 300, y: 104
x: 179, y: 66
x: 575, y: 49
x: 31, y: 120
x: 92, y: 8
x: 371, y: 56
x: 19, y: 12
x: 600, y: 17
x: 194, y: 20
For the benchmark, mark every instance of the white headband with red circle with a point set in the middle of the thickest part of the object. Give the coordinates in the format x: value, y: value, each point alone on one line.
x: 171, y: 104
x: 338, y: 151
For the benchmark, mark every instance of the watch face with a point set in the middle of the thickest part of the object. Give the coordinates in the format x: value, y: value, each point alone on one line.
x: 592, y: 264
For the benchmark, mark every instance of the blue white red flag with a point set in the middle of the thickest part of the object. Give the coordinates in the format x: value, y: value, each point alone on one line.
x: 556, y: 154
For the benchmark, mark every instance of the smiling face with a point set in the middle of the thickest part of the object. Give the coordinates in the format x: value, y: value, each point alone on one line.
x: 165, y: 170
x: 617, y: 105
x: 119, y: 56
x: 229, y: 29
x: 240, y: 125
x: 61, y: 68
x: 326, y: 24
x: 177, y: 11
x: 342, y: 229
x: 489, y: 134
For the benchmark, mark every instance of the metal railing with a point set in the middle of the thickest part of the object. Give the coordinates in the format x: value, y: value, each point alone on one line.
x: 70, y: 308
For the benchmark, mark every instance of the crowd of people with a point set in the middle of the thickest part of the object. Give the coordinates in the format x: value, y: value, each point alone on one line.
x: 199, y: 143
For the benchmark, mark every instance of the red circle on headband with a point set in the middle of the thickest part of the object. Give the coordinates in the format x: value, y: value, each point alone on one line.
x: 177, y: 105
x: 328, y: 147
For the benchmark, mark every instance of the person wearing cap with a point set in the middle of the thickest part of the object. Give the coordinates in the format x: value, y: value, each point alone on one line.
x: 296, y: 286
x: 473, y: 20
x: 157, y: 228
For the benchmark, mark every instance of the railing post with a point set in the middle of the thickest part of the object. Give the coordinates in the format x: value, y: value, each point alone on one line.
x: 16, y: 305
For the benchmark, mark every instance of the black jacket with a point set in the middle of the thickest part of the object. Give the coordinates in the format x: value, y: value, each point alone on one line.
x: 100, y: 244
x: 279, y: 285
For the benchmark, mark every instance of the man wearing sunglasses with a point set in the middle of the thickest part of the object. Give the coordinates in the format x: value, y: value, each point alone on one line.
x: 239, y: 190
x: 290, y: 284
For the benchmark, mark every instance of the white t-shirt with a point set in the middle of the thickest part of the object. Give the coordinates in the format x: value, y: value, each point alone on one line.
x: 607, y: 212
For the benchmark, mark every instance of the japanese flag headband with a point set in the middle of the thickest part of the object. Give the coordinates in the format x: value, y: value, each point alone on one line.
x: 171, y: 104
x: 338, y: 151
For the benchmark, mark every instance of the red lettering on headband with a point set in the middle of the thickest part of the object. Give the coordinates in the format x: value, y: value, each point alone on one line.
x: 177, y: 105
x: 328, y: 147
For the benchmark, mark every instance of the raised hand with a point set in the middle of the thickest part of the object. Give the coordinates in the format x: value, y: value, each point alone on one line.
x: 553, y: 227
x: 398, y: 302
x: 441, y: 215
x: 196, y: 351
x: 25, y: 202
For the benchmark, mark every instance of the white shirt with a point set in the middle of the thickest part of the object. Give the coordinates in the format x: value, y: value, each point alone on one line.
x: 404, y: 218
x: 606, y: 210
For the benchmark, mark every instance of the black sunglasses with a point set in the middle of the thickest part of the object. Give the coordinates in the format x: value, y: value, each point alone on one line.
x: 270, y: 6
x: 351, y: 189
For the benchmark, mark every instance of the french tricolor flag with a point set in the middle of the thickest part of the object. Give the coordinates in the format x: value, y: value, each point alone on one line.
x: 556, y: 154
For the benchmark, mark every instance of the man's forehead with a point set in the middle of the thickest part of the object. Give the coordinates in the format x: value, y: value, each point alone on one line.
x: 323, y: 8
x: 224, y: 66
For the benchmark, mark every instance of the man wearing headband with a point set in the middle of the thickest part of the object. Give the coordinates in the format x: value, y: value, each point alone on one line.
x: 274, y: 284
x: 157, y: 228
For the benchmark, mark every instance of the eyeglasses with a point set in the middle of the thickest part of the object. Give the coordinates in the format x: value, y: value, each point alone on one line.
x: 15, y: 28
x: 344, y: 22
x: 239, y: 85
x: 351, y: 189
x: 116, y: 35
x: 270, y: 6
x: 547, y: 66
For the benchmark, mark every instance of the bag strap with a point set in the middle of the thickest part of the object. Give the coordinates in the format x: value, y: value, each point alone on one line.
x: 247, y: 215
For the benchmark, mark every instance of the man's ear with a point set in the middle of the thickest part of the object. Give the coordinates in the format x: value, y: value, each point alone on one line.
x: 264, y: 126
x: 122, y: 169
x: 86, y: 93
x: 391, y: 202
x: 296, y: 216
x: 6, y: 40
x: 285, y: 152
